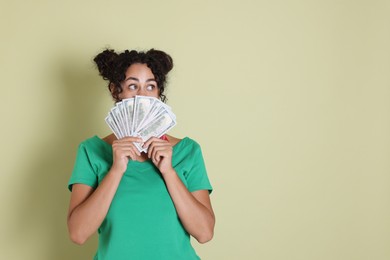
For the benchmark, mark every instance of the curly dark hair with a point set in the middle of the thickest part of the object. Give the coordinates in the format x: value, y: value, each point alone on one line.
x: 113, y: 66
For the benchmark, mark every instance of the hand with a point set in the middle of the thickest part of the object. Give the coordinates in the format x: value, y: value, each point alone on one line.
x: 122, y: 150
x: 160, y: 152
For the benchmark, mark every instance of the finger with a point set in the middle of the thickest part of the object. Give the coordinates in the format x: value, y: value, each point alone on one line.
x: 132, y: 139
x: 153, y: 146
x: 126, y: 145
x: 117, y: 149
x: 163, y: 153
x: 157, y: 155
x: 160, y: 151
x: 155, y: 161
x: 152, y: 140
x: 155, y: 143
x: 121, y: 156
x: 131, y: 154
x: 128, y: 152
x: 127, y: 141
x: 133, y: 149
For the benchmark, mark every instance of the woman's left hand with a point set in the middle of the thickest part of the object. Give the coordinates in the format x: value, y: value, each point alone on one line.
x: 160, y: 152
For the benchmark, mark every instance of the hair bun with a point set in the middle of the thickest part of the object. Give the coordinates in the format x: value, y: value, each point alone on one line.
x: 163, y: 59
x: 105, y: 62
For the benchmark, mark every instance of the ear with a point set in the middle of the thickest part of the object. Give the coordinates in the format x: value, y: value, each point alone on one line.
x: 111, y: 87
x: 114, y: 95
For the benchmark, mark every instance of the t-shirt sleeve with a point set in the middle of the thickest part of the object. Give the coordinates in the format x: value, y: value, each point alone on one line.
x: 83, y: 171
x: 197, y: 178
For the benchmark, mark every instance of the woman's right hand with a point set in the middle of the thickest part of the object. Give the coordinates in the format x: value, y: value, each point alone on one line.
x: 89, y: 206
x: 123, y: 150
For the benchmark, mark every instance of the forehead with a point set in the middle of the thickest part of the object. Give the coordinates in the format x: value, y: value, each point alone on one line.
x: 139, y: 70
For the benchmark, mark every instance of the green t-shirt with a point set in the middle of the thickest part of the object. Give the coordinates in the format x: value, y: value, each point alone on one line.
x: 142, y: 222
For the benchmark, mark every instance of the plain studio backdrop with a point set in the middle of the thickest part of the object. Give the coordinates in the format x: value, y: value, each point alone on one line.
x: 290, y: 101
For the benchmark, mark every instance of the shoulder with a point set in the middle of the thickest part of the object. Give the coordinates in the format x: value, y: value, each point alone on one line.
x: 192, y: 142
x: 90, y: 142
x: 94, y: 144
x: 96, y: 151
x: 187, y: 146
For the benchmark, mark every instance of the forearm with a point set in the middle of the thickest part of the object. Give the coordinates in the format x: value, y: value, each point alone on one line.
x: 86, y: 218
x: 196, y: 218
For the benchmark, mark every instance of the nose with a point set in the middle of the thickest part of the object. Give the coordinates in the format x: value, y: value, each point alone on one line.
x: 141, y: 92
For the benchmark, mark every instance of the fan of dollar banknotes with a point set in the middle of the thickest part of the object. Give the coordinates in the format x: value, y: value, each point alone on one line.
x: 140, y: 116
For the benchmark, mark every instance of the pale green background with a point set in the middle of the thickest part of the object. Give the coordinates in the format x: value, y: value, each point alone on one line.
x: 290, y: 101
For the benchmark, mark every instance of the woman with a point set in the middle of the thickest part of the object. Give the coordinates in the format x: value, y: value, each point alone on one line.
x: 143, y: 205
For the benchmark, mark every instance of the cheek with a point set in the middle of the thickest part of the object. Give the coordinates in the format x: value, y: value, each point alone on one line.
x: 126, y: 93
x: 157, y: 94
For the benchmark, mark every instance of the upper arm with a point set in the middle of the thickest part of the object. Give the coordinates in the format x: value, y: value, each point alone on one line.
x: 203, y: 196
x: 80, y: 193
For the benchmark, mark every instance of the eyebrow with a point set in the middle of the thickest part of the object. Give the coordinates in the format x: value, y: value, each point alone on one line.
x: 132, y: 78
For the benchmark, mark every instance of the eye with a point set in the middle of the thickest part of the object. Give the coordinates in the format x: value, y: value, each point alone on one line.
x: 150, y: 87
x: 132, y: 87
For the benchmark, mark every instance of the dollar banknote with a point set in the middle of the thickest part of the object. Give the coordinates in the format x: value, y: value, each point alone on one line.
x: 141, y: 116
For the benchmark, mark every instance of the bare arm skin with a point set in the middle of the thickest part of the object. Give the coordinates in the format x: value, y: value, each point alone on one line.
x: 194, y: 209
x: 89, y: 207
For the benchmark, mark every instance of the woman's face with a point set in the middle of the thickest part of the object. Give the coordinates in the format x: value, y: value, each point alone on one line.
x: 140, y: 81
